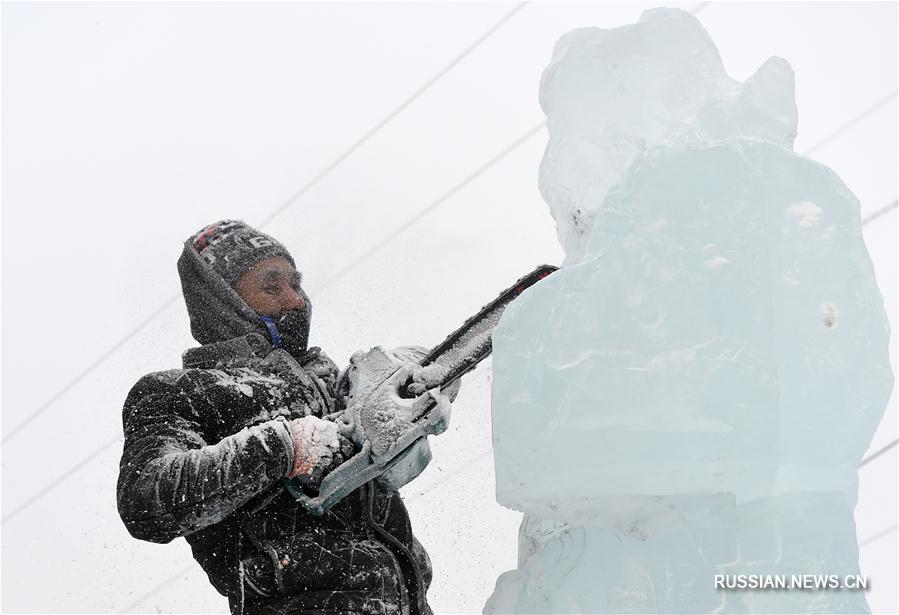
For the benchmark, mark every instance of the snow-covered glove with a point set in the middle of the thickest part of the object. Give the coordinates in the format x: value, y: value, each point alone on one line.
x: 318, y: 448
x: 424, y: 378
x: 381, y: 416
x: 442, y: 409
x: 370, y: 369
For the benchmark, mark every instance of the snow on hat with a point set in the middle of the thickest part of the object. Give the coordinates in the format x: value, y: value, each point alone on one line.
x: 231, y: 247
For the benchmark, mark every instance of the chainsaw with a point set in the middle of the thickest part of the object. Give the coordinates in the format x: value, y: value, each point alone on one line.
x: 447, y: 362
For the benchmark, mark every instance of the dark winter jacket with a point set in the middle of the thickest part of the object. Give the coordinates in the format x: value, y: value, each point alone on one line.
x: 206, y: 447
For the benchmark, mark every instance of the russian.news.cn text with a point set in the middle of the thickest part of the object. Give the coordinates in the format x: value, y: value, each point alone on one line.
x: 737, y: 582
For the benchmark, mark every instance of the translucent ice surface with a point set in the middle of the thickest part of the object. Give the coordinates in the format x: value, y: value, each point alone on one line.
x: 691, y: 394
x: 723, y: 333
x: 609, y: 95
x: 593, y: 567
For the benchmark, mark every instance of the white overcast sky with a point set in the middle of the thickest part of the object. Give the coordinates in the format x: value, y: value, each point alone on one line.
x: 127, y: 126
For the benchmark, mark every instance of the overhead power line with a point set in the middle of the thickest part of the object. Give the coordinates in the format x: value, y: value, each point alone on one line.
x: 87, y: 370
x: 449, y: 475
x: 377, y: 127
x: 877, y: 453
x: 880, y: 212
x: 292, y: 200
x: 65, y: 476
x: 433, y: 205
x: 850, y: 124
x: 161, y: 586
x: 884, y: 532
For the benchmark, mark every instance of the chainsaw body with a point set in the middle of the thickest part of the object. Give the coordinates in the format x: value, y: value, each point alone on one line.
x: 384, y: 439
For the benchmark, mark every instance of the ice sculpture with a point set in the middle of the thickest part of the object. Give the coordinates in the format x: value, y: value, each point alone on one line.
x: 691, y: 394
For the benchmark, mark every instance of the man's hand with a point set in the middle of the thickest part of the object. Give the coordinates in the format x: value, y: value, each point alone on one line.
x: 319, y: 448
x: 378, y: 414
x: 376, y: 411
x: 425, y: 378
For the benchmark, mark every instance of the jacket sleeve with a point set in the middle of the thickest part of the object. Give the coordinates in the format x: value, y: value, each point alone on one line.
x: 172, y: 482
x: 323, y: 377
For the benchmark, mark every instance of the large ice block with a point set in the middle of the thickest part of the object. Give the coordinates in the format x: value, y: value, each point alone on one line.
x: 723, y: 334
x: 691, y: 393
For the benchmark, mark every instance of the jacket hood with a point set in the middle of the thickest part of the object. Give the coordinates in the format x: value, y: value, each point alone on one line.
x: 216, y: 311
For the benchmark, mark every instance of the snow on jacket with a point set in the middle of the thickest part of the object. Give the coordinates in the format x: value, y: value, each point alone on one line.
x: 205, y: 449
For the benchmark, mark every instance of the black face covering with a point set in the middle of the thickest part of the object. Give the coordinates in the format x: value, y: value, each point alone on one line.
x: 294, y: 329
x: 290, y: 330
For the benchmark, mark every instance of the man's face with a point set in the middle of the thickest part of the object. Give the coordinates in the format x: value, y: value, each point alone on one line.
x: 271, y: 287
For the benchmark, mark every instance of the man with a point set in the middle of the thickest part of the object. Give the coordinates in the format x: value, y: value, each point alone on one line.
x: 206, y: 448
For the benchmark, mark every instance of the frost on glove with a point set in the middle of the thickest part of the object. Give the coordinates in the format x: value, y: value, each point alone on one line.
x: 318, y: 448
x: 376, y: 412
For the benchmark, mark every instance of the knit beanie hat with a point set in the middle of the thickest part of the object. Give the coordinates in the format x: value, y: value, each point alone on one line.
x: 231, y: 247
